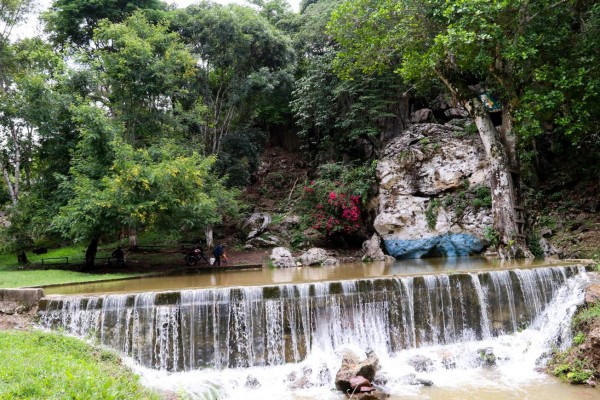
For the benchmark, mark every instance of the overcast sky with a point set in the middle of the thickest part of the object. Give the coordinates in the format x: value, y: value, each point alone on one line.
x: 32, y: 27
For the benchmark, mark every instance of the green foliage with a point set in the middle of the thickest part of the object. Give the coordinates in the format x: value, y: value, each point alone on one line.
x: 533, y: 242
x: 483, y: 197
x: 75, y: 20
x: 587, y: 315
x: 333, y: 202
x: 431, y: 213
x: 492, y: 236
x: 240, y: 156
x: 578, y: 339
x: 65, y: 367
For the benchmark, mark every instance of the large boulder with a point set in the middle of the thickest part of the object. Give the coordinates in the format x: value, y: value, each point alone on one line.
x: 282, y: 258
x: 372, y: 249
x: 352, y: 367
x: 430, y: 179
x: 315, y: 256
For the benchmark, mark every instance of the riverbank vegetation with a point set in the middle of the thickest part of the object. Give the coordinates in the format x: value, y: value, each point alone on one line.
x: 580, y: 364
x: 38, y: 365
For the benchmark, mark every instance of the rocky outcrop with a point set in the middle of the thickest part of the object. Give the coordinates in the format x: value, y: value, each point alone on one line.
x: 255, y: 224
x: 434, y: 193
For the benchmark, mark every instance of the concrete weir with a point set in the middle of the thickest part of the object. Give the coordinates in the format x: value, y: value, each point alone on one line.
x: 26, y: 297
x: 276, y: 324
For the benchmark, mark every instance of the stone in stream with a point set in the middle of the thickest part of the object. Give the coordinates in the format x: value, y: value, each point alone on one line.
x: 282, y: 258
x: 352, y: 367
x: 421, y: 363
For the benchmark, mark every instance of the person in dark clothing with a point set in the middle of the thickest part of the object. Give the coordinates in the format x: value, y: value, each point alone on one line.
x: 119, y: 255
x: 218, y: 252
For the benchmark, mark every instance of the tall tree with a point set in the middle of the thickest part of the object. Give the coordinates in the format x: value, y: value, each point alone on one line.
x: 243, y: 60
x: 74, y: 21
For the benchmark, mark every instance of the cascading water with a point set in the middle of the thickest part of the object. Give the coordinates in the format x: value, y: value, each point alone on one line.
x: 267, y: 331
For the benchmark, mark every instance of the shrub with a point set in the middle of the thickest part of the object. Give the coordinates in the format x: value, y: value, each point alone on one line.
x: 334, y: 201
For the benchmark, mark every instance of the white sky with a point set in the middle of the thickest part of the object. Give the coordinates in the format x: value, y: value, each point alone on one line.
x: 32, y: 27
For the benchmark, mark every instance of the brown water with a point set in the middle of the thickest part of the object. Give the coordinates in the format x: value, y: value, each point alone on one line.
x: 270, y: 276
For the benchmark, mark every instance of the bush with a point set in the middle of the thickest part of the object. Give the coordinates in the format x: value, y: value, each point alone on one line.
x: 334, y: 201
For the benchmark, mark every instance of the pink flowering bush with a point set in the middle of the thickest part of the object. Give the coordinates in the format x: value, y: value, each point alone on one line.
x: 334, y: 201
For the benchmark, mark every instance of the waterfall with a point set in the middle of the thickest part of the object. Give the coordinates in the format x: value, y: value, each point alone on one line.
x: 274, y: 325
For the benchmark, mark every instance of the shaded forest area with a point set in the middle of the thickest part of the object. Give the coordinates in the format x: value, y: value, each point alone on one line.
x: 133, y: 117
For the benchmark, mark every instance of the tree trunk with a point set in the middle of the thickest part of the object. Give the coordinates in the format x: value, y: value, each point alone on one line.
x: 90, y: 254
x: 133, y: 239
x: 208, y: 232
x: 508, y: 218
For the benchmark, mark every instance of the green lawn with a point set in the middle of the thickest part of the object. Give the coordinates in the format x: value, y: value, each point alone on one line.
x: 37, y: 365
x: 11, y: 276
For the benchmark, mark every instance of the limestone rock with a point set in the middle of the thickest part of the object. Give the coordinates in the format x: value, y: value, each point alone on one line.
x: 372, y: 249
x: 314, y: 256
x: 550, y: 251
x: 428, y: 179
x: 330, y: 262
x: 264, y: 241
x: 255, y: 224
x: 422, y: 115
x: 282, y: 258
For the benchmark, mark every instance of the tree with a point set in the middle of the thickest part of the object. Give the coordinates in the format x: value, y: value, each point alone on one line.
x: 74, y: 21
x: 147, y: 71
x: 473, y: 48
x: 243, y: 61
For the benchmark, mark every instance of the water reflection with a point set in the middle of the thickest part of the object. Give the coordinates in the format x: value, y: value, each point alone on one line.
x: 268, y: 276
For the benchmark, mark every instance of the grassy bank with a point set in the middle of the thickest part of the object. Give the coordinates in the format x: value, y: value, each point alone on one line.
x: 37, y: 365
x: 13, y: 276
x: 581, y: 362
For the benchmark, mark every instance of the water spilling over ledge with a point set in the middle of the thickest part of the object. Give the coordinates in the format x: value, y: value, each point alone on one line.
x: 272, y: 325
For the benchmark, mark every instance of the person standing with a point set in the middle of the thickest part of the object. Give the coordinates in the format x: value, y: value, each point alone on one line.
x: 218, y: 252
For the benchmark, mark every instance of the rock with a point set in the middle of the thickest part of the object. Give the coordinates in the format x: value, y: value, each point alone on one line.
x: 352, y: 367
x: 252, y: 382
x: 421, y: 363
x: 21, y: 310
x: 546, y: 232
x: 412, y: 379
x: 248, y: 247
x: 424, y: 207
x: 264, y: 241
x: 314, y: 256
x: 282, y: 258
x: 255, y: 224
x: 422, y: 115
x: 330, y: 262
x: 592, y: 294
x: 372, y: 249
x: 304, y: 382
x: 550, y: 251
x: 487, y: 357
x: 456, y: 112
x: 424, y: 382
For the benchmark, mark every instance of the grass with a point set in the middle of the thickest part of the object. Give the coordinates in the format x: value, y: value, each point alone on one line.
x: 12, y: 276
x: 38, y: 365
